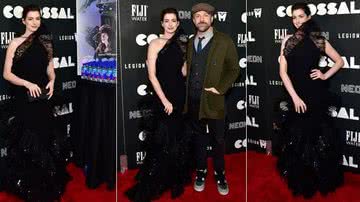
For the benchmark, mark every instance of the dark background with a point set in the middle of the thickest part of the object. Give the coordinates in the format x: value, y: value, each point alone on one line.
x: 60, y: 18
x: 133, y: 71
x: 336, y: 19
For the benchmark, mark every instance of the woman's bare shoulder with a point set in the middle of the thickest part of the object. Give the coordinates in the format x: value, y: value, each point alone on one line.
x: 284, y: 40
x: 157, y: 44
x: 14, y: 43
x: 287, y: 37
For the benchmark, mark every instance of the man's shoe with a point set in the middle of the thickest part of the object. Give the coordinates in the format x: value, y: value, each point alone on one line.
x: 199, y: 184
x: 221, y: 183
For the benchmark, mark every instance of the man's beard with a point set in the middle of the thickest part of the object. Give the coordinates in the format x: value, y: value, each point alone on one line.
x: 202, y: 28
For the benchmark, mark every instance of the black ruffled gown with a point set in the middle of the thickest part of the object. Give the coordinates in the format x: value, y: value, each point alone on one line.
x: 310, y: 158
x: 38, y: 153
x: 166, y: 166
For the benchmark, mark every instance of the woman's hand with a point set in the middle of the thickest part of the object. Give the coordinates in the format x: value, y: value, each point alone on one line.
x: 317, y: 74
x: 213, y: 90
x: 50, y: 86
x: 34, y: 89
x: 299, y: 104
x: 168, y: 107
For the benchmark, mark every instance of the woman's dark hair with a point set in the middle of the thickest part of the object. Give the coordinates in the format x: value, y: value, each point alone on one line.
x: 303, y: 6
x: 29, y: 8
x: 105, y: 28
x: 169, y: 10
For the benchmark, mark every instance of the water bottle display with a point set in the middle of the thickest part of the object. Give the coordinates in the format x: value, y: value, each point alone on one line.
x: 99, y: 71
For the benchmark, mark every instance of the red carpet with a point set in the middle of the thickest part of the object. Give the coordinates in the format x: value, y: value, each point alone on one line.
x: 76, y: 190
x: 264, y: 184
x: 235, y: 169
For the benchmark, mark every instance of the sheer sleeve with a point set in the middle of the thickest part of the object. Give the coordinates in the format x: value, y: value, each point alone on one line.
x: 308, y: 29
x: 46, y: 41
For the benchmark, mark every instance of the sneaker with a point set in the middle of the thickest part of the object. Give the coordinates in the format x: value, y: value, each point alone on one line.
x: 221, y: 183
x: 199, y: 184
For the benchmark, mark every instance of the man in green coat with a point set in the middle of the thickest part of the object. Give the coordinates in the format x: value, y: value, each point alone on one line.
x: 212, y: 67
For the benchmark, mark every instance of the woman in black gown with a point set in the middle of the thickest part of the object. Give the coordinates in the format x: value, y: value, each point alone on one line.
x: 35, y: 165
x: 310, y: 158
x: 165, y: 166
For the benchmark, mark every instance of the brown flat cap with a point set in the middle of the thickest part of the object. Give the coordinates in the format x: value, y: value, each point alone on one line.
x: 203, y: 7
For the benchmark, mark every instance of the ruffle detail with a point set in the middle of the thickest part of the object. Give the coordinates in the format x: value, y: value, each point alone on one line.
x: 35, y: 165
x: 309, y: 151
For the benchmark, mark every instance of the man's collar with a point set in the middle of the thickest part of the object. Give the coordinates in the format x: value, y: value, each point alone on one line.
x: 209, y: 33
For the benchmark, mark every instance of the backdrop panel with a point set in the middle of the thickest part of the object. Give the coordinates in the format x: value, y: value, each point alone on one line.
x: 140, y: 23
x: 340, y: 23
x: 60, y: 18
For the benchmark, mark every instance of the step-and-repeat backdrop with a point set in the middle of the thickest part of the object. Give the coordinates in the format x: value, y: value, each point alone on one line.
x: 268, y: 23
x: 139, y: 24
x: 60, y: 18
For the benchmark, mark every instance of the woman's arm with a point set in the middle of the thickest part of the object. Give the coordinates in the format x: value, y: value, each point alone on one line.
x: 334, y: 55
x: 153, y: 50
x: 51, y: 75
x: 50, y: 70
x: 7, y: 73
x: 12, y: 78
x: 184, y: 69
x: 298, y: 102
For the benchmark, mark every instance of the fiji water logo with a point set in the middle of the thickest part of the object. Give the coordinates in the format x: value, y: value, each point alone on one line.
x: 140, y: 157
x: 352, y: 138
x: 254, y: 101
x: 5, y: 38
x: 280, y: 34
x: 139, y: 12
x: 245, y: 38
